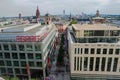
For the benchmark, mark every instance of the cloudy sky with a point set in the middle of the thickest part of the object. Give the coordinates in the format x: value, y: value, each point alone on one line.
x: 28, y: 7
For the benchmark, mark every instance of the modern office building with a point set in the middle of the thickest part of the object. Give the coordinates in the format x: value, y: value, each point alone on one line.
x: 29, y: 44
x: 94, y: 51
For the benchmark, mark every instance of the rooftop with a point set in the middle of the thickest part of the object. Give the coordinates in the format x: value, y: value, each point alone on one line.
x: 94, y: 27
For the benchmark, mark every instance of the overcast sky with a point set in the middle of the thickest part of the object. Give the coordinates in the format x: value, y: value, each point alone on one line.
x: 28, y: 7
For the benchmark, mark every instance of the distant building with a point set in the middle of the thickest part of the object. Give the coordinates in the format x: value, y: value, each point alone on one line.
x: 94, y: 51
x: 98, y: 19
x: 37, y: 15
x: 47, y: 19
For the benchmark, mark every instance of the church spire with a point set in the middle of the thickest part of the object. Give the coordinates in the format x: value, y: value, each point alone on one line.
x: 37, y: 14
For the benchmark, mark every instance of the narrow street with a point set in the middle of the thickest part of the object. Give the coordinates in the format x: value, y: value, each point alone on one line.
x: 62, y: 72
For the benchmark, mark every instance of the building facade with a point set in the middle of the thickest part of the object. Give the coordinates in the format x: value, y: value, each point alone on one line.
x: 94, y: 51
x: 23, y: 45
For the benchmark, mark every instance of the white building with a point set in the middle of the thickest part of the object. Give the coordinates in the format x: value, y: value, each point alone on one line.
x: 30, y: 44
x: 94, y: 51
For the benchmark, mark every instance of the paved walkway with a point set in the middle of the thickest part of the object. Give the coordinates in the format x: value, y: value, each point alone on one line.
x: 54, y: 74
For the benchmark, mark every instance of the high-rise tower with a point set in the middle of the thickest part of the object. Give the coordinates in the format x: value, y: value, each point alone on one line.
x: 97, y: 13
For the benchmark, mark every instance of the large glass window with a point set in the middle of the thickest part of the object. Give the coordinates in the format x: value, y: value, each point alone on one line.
x: 23, y: 63
x: 103, y: 64
x: 31, y: 64
x: 22, y: 55
x: 16, y: 63
x: 10, y: 70
x: 24, y: 71
x: 1, y: 55
x: 110, y: 51
x: 30, y: 56
x: 7, y: 55
x: 3, y: 70
x: 117, y: 51
x: 38, y: 56
x: 5, y: 46
x: 104, y: 51
x: 29, y: 47
x: 21, y: 47
x: 98, y: 51
x: 13, y: 47
x: 97, y: 64
x: 109, y: 64
x: 85, y: 63
x: 37, y: 47
x: 14, y: 56
x: 17, y: 71
x: 91, y: 63
x: 8, y: 63
x: 115, y: 64
x: 39, y: 64
x: 86, y: 51
x: 114, y: 33
x: 2, y: 63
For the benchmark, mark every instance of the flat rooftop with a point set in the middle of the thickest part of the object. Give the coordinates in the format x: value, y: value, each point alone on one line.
x: 94, y: 27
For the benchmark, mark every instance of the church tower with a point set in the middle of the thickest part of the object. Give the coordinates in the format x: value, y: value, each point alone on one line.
x: 97, y: 13
x: 47, y: 19
x: 37, y: 15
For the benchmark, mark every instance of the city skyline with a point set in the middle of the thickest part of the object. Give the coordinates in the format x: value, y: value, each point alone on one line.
x: 28, y: 7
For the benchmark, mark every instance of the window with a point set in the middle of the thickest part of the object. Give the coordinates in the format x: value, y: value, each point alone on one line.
x: 14, y: 56
x: 75, y: 50
x: 2, y: 63
x: 6, y: 47
x: 3, y: 70
x: 8, y: 63
x: 115, y: 64
x: 10, y: 70
x: 16, y: 63
x: 13, y: 47
x: 109, y: 64
x: 78, y: 50
x: 21, y: 47
x: 110, y: 51
x: 80, y: 63
x: 1, y: 55
x: 104, y: 51
x: 0, y: 47
x: 117, y: 51
x: 29, y: 47
x: 22, y: 55
x: 17, y: 71
x: 103, y: 64
x: 24, y: 71
x: 77, y: 63
x: 7, y: 55
x: 31, y: 64
x: 39, y: 64
x: 30, y: 56
x: 74, y: 63
x: 91, y: 63
x: 97, y: 64
x: 98, y: 51
x: 92, y: 50
x: 81, y: 50
x: 23, y: 64
x: 86, y: 51
x: 85, y: 63
x: 37, y: 47
x: 38, y: 56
